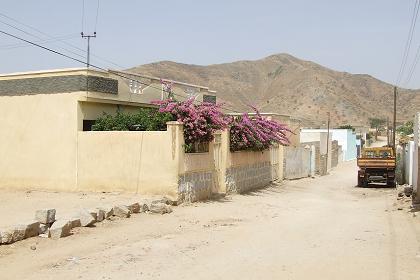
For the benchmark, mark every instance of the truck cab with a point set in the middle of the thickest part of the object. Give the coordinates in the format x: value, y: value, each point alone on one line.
x: 376, y: 165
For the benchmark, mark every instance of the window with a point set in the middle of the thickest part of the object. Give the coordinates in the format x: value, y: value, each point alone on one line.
x: 87, y: 125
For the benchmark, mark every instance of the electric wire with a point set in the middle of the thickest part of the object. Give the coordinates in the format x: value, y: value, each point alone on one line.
x: 408, y: 42
x: 97, y: 14
x: 63, y: 42
x: 98, y: 67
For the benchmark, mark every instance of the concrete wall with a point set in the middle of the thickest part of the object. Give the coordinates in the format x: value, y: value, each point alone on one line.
x: 297, y: 162
x: 247, y: 170
x: 197, y: 176
x: 138, y: 162
x: 38, y: 141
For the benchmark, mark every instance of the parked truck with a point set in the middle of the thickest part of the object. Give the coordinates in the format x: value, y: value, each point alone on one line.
x: 376, y: 165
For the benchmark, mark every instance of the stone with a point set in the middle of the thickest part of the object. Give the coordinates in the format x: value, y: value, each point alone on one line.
x: 18, y: 233
x: 144, y: 208
x: 109, y: 212
x: 399, y: 208
x: 31, y: 229
x: 6, y: 237
x: 134, y: 207
x: 408, y: 190
x: 45, y: 216
x: 33, y: 247
x: 42, y: 229
x: 100, y: 214
x: 75, y: 222
x: 121, y: 211
x: 86, y: 218
x: 59, y: 229
x: 159, y: 208
x: 400, y: 194
x: 44, y: 235
x: 94, y: 214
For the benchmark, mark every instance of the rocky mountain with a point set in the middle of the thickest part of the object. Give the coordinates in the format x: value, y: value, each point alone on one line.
x: 287, y: 85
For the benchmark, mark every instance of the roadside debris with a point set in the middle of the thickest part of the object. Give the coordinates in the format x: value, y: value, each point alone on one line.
x: 46, y: 225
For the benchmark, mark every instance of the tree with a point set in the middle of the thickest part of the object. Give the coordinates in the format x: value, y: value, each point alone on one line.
x: 377, y: 124
x: 346, y: 126
x: 406, y: 128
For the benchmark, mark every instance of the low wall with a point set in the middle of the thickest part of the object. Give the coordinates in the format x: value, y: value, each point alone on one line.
x: 247, y: 170
x: 196, y: 178
x: 138, y: 162
x: 297, y: 162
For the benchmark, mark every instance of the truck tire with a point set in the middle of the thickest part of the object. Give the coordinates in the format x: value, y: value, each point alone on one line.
x: 391, y: 183
x: 361, y: 182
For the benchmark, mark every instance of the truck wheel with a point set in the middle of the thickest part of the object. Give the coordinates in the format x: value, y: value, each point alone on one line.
x: 361, y: 182
x: 391, y: 183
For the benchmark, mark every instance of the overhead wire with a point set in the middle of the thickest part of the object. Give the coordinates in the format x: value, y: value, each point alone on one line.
x: 97, y: 67
x: 63, y: 42
x: 97, y: 14
x: 408, y: 42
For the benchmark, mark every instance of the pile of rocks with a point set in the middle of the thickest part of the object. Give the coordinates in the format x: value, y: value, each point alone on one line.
x: 46, y: 225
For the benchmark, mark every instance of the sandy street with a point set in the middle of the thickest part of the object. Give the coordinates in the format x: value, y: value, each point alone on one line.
x: 321, y: 228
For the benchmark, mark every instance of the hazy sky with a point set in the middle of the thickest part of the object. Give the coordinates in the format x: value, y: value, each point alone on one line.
x: 357, y: 36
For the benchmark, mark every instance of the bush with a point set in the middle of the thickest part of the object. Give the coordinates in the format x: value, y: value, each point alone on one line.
x: 146, y: 119
x: 256, y: 133
x: 200, y: 121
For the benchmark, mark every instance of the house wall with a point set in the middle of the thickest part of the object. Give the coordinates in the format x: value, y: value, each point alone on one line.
x: 320, y: 137
x: 38, y: 141
x: 346, y: 139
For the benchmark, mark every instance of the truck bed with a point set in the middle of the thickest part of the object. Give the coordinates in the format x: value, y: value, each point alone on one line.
x: 376, y: 162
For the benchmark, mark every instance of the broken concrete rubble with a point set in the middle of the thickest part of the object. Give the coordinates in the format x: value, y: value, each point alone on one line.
x: 45, y: 216
x: 31, y: 229
x: 59, y: 229
x: 159, y: 208
x: 134, y: 207
x: 100, y: 214
x: 86, y: 218
x: 121, y: 211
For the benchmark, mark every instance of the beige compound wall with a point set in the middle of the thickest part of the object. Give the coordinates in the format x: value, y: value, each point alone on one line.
x: 138, y: 162
x: 38, y: 141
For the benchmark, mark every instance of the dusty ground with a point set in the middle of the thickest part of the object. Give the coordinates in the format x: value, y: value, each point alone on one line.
x: 321, y: 228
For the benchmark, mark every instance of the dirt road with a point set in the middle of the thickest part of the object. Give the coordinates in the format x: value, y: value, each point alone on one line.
x: 321, y: 228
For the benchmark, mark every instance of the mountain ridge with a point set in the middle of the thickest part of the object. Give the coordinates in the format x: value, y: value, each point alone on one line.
x: 282, y: 83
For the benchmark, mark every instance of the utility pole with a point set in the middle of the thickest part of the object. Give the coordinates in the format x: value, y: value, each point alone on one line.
x: 328, y: 142
x: 395, y: 121
x: 88, y: 46
x: 387, y: 131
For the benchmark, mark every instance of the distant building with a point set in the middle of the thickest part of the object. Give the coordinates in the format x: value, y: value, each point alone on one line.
x: 346, y: 139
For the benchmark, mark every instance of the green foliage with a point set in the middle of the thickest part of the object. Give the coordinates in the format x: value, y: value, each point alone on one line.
x: 146, y: 119
x: 377, y: 123
x: 346, y: 126
x: 406, y: 129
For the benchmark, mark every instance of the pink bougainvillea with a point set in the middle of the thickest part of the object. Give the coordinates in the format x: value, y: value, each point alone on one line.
x: 256, y: 132
x: 200, y: 121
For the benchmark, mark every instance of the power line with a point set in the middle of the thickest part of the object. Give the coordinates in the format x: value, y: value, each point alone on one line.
x: 57, y: 39
x: 83, y: 14
x: 98, y: 67
x: 37, y: 37
x: 408, y: 42
x: 63, y: 42
x: 413, y: 66
x: 97, y: 14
